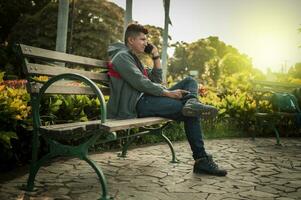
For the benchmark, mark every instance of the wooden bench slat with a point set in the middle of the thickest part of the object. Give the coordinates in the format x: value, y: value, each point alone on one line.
x: 276, y: 84
x: 35, y: 52
x: 38, y: 69
x: 116, y: 125
x: 271, y: 90
x: 70, y: 125
x: 109, y: 126
x: 273, y: 87
x: 275, y: 115
x: 65, y: 89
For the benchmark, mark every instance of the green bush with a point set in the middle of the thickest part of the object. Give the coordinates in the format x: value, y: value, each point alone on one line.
x: 14, y: 112
x: 233, y: 98
x: 69, y: 108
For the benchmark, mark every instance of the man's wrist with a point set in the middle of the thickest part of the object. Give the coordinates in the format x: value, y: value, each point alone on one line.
x: 155, y: 57
x: 155, y: 53
x: 165, y: 93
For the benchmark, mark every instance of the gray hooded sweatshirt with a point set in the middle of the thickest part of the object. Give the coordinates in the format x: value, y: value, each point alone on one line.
x: 126, y: 91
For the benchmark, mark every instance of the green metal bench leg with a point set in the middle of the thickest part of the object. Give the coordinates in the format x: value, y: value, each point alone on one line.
x: 34, y: 168
x: 174, y: 159
x: 125, y: 147
x: 256, y: 128
x: 101, y: 177
x: 277, y: 136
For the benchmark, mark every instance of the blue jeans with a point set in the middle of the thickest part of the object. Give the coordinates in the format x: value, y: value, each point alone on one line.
x: 150, y: 106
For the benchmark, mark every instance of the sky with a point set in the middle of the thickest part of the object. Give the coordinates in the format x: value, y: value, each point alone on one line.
x: 265, y: 30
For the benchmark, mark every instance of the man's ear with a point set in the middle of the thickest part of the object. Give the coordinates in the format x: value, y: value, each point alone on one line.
x: 131, y: 40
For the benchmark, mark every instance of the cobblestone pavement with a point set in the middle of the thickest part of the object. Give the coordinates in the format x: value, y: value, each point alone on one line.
x: 256, y: 170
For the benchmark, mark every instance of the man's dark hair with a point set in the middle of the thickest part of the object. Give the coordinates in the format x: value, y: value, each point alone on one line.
x: 134, y: 30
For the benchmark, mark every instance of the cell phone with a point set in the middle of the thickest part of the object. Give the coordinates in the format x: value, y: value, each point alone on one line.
x: 148, y: 49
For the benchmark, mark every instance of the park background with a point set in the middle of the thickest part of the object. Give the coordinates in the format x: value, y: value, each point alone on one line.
x: 223, y: 69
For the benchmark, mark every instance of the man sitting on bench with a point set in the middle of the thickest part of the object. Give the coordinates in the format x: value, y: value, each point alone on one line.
x: 137, y: 92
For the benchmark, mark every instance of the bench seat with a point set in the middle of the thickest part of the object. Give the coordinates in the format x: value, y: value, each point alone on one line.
x: 70, y: 130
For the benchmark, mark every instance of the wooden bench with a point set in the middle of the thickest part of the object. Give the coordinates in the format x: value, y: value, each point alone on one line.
x: 93, y: 73
x: 263, y: 91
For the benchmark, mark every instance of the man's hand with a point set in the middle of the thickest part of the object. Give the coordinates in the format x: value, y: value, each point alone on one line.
x: 175, y: 94
x: 156, y: 57
x: 155, y: 51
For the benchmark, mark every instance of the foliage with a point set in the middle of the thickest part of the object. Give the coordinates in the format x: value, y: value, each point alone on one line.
x: 199, y: 53
x: 179, y: 61
x: 211, y: 57
x: 12, y: 10
x: 14, y: 111
x: 69, y: 108
x: 13, y: 104
x: 95, y: 24
x: 295, y: 71
x: 233, y: 63
x: 233, y: 99
x: 5, y: 138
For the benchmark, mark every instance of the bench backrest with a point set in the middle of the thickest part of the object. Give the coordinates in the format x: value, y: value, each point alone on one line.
x: 269, y: 86
x: 49, y: 63
x: 281, y: 96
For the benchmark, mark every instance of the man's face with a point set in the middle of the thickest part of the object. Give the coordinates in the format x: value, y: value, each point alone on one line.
x: 138, y: 43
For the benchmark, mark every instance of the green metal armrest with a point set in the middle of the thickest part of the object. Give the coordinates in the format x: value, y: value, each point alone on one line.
x: 70, y: 76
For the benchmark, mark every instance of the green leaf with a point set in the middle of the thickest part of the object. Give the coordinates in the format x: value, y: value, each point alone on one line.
x: 6, y: 136
x: 54, y: 109
x: 1, y: 76
x: 58, y: 102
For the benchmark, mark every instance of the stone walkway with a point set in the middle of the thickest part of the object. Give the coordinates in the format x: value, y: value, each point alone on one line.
x: 257, y: 170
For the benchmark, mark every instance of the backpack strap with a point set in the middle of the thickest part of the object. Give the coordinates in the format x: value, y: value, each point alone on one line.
x: 115, y: 74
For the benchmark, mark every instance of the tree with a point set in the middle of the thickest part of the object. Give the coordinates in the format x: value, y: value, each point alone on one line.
x: 191, y: 56
x: 96, y: 24
x: 199, y: 53
x: 155, y: 36
x: 295, y: 71
x: 234, y: 63
x: 12, y: 10
x: 179, y: 61
x: 212, y: 71
x: 220, y: 47
x: 210, y: 57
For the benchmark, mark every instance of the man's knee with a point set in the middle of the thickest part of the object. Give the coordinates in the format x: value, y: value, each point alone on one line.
x: 160, y: 105
x: 190, y: 79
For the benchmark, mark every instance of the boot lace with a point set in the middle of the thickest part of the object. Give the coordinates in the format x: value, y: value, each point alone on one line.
x: 211, y: 163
